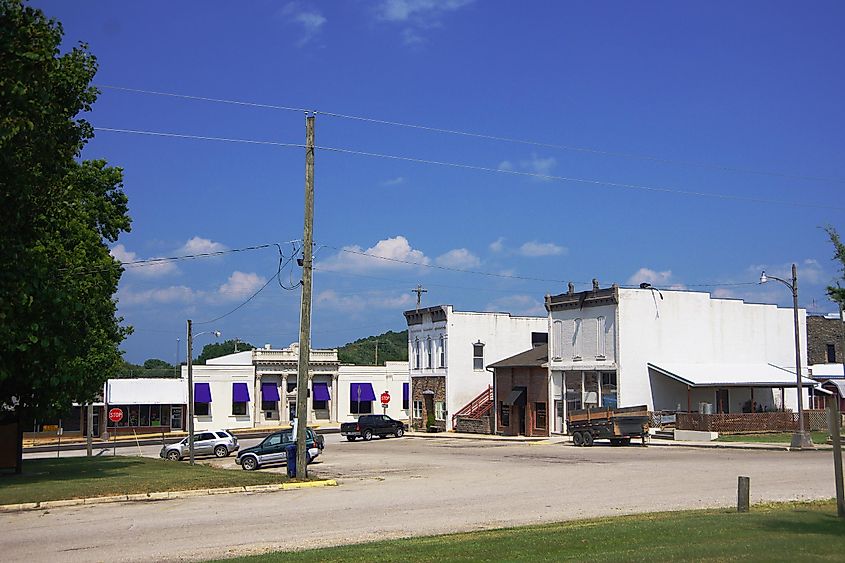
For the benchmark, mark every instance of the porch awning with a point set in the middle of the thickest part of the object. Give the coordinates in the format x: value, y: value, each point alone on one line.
x: 321, y: 391
x: 366, y: 389
x: 240, y: 393
x: 731, y: 375
x: 269, y: 392
x: 202, y: 393
x: 516, y: 397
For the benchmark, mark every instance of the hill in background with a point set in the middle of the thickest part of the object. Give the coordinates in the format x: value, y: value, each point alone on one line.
x: 392, y: 346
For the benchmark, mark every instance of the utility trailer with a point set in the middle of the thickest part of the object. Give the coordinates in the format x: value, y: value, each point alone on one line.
x: 617, y: 425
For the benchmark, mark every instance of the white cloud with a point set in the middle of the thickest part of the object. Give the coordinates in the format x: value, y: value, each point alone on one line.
x: 199, y: 245
x: 809, y: 271
x: 147, y: 269
x: 417, y: 15
x: 309, y: 19
x: 518, y: 305
x: 660, y: 280
x: 161, y: 295
x: 497, y: 245
x: 394, y: 182
x: 540, y: 166
x: 506, y: 165
x: 331, y: 299
x: 241, y: 285
x: 391, y: 253
x: 534, y: 249
x: 458, y: 258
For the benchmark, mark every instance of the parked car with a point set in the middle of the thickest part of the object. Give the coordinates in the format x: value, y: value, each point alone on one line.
x: 370, y: 425
x: 272, y: 449
x: 220, y: 443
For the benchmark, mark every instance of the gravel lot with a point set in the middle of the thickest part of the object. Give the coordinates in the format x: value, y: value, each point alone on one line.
x: 416, y: 486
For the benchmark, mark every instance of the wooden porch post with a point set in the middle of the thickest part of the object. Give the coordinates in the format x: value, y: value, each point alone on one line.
x: 689, y: 399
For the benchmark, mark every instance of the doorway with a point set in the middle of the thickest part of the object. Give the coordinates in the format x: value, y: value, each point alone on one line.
x: 176, y: 417
x: 520, y: 414
x: 722, y: 401
x: 292, y: 409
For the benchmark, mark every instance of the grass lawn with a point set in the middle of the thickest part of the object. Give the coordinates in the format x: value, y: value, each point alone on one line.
x: 80, y: 477
x: 782, y: 532
x: 773, y: 438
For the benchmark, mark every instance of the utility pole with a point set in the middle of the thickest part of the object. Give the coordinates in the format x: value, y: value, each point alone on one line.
x: 305, y: 309
x: 190, y: 391
x: 419, y: 291
x: 89, y: 439
x: 376, y: 352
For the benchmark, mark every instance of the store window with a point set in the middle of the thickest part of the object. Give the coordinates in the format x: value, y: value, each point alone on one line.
x: 439, y: 410
x: 238, y: 408
x: 418, y: 408
x: 608, y: 389
x: 360, y: 407
x: 504, y: 414
x: 201, y: 409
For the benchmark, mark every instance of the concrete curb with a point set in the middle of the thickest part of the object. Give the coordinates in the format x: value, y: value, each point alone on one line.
x: 164, y: 495
x: 487, y: 437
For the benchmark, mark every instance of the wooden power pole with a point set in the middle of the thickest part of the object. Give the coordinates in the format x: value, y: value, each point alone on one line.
x: 305, y: 309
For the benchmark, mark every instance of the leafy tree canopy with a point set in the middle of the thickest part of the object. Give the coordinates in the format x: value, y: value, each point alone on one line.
x: 392, y: 347
x: 837, y: 292
x: 59, y: 334
x: 217, y: 349
x: 155, y: 363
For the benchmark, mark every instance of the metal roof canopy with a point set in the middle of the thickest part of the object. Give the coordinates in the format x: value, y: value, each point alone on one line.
x: 731, y: 375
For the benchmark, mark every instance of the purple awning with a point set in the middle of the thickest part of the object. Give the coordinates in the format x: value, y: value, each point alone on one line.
x: 366, y: 390
x: 321, y: 391
x: 269, y: 392
x: 240, y: 393
x: 404, y: 392
x: 202, y: 393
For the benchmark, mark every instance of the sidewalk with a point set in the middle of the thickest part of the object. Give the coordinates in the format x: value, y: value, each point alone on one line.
x: 567, y: 440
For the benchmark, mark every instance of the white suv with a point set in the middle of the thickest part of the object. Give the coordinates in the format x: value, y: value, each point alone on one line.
x: 217, y: 442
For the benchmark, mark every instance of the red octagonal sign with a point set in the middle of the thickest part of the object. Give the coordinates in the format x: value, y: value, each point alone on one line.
x: 116, y: 415
x: 385, y: 398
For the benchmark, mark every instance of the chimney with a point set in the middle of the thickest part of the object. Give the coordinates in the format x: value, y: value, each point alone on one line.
x: 595, y: 284
x: 571, y: 290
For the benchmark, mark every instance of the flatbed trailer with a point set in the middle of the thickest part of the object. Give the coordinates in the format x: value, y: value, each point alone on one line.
x: 618, y: 425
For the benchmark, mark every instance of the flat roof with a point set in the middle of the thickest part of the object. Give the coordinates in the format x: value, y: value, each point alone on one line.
x: 731, y: 375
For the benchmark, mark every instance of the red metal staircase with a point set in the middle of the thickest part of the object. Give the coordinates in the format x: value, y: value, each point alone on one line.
x: 478, y: 407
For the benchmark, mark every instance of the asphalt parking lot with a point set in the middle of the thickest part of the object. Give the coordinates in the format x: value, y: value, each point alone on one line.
x: 417, y: 486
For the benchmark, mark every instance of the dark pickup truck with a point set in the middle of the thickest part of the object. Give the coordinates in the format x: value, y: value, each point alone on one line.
x: 370, y: 425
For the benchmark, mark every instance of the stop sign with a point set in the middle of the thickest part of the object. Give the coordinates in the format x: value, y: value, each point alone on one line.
x: 385, y: 398
x: 116, y: 415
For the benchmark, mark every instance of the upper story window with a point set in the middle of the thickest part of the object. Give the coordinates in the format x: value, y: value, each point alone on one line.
x: 478, y: 356
x: 417, y: 353
x: 577, y: 339
x: 429, y: 354
x: 557, y: 340
x: 831, y: 353
x: 442, y: 349
x: 601, y: 339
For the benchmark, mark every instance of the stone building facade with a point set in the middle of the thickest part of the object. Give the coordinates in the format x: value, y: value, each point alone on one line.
x: 428, y: 395
x: 824, y: 339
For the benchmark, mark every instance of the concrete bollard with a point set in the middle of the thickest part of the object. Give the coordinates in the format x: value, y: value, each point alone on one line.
x: 743, y: 493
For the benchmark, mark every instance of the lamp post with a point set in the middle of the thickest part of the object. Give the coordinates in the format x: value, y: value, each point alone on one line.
x: 190, y: 342
x: 801, y: 439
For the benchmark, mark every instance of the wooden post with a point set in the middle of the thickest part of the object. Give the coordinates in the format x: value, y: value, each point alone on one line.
x: 743, y: 493
x: 833, y: 425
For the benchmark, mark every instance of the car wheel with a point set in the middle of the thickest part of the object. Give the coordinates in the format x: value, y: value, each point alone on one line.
x: 578, y: 439
x: 368, y: 435
x: 173, y: 455
x: 351, y: 438
x: 588, y: 439
x: 221, y: 451
x: 399, y: 432
x: 249, y: 463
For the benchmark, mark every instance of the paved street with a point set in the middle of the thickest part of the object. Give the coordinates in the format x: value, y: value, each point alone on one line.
x: 415, y: 486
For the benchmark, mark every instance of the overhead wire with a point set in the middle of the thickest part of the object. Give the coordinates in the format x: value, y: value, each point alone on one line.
x: 593, y: 182
x: 484, y: 136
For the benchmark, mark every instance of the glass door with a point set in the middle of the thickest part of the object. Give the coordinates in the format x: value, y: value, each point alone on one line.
x: 176, y: 418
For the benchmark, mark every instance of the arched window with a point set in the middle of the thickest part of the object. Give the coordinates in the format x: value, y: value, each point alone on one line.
x: 601, y: 338
x: 557, y: 340
x: 577, y: 339
x: 442, y: 363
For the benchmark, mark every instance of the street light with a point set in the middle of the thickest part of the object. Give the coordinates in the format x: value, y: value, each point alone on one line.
x: 801, y: 440
x: 190, y: 341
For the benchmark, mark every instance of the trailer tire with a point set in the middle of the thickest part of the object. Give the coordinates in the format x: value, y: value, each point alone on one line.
x: 578, y: 439
x: 615, y: 442
x: 626, y: 441
x: 588, y: 439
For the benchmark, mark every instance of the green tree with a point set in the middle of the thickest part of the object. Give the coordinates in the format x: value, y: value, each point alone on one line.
x: 392, y: 346
x: 155, y: 363
x: 837, y: 292
x: 217, y: 349
x: 59, y: 334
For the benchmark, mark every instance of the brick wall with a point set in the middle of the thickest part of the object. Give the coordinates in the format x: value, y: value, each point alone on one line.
x: 535, y: 379
x: 822, y: 331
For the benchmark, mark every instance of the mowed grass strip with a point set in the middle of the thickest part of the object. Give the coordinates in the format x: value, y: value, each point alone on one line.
x: 773, y: 438
x: 80, y: 477
x: 782, y: 532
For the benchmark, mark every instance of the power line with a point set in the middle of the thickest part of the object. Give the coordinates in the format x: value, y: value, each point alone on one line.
x: 638, y: 187
x: 470, y: 134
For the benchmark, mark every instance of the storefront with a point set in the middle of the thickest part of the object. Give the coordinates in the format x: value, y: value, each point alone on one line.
x: 148, y: 405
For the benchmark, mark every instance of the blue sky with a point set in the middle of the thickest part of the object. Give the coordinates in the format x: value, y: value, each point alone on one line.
x: 741, y: 101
